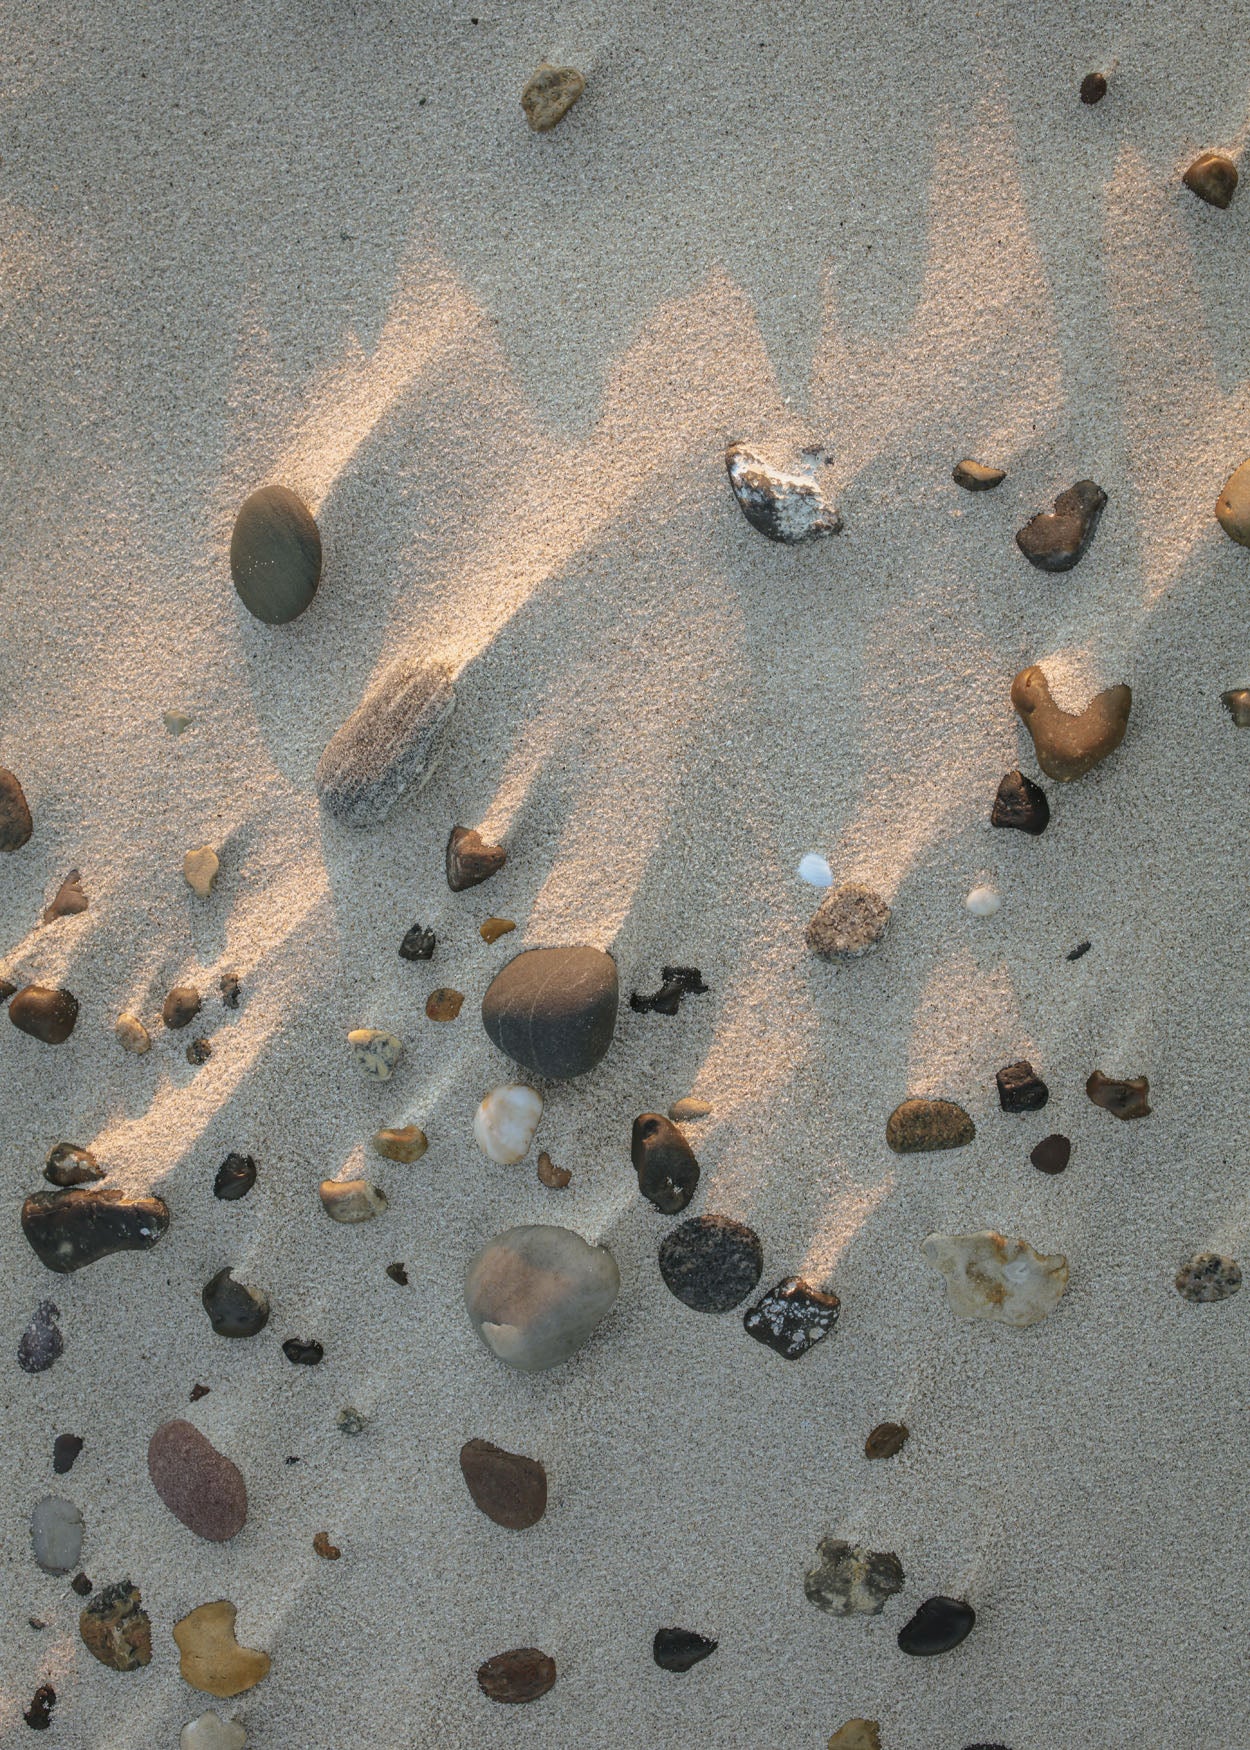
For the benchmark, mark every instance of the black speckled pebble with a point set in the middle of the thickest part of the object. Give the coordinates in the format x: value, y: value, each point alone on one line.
x: 711, y: 1263
x: 792, y: 1318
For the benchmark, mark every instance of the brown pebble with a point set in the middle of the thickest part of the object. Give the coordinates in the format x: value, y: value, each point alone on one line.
x: 199, y: 1485
x: 507, y: 1487
x: 406, y: 1145
x: 198, y: 1392
x: 922, y: 1126
x: 181, y: 1006
x: 1093, y: 88
x: 886, y: 1439
x: 444, y: 1004
x: 1213, y: 178
x: 199, y: 1051
x: 45, y: 1013
x: 549, y: 94
x: 1124, y: 1099
x: 556, y: 1177
x: 68, y: 1164
x: 38, y: 1715
x: 228, y: 984
x: 1237, y: 702
x: 323, y: 1547
x: 1070, y: 743
x: 16, y: 825
x: 70, y: 899
x: 82, y: 1585
x: 977, y: 476
x: 116, y: 1630
x: 470, y: 860
x: 521, y: 1675
x: 7, y: 987
x: 493, y: 928
x: 1052, y: 1154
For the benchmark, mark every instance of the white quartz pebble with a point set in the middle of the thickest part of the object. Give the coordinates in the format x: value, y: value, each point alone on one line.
x: 815, y: 871
x: 983, y: 902
x: 505, y: 1122
x: 211, y: 1732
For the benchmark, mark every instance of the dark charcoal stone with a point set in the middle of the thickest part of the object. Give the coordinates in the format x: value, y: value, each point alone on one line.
x: 1055, y: 540
x: 199, y: 1051
x: 275, y: 555
x: 65, y: 1449
x: 82, y: 1585
x: 235, y: 1177
x: 940, y: 1624
x: 44, y: 1013
x: 664, y: 1161
x: 1021, y: 803
x: 521, y: 1675
x: 976, y: 476
x: 1081, y: 949
x: 1123, y: 1099
x: 1020, y: 1090
x: 677, y: 1649
x: 234, y: 1309
x: 508, y: 1487
x: 886, y: 1439
x: 676, y: 982
x: 228, y: 984
x: 181, y: 1006
x: 792, y: 1318
x: 1093, y: 88
x: 470, y: 860
x: 199, y: 1391
x: 69, y: 901
x: 68, y: 1229
x: 553, y: 1010
x: 67, y: 1164
x: 1213, y: 178
x: 41, y: 1343
x: 711, y: 1263
x: 1052, y: 1154
x: 16, y: 824
x: 397, y: 1273
x: 418, y: 944
x: 38, y: 1715
x: 303, y: 1354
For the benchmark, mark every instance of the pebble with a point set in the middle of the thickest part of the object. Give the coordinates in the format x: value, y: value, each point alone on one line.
x: 198, y: 1392
x: 201, y: 1487
x: 406, y: 1145
x: 507, y: 1487
x: 1093, y: 88
x: 16, y: 824
x: 923, y: 1126
x: 115, y: 1628
x: 983, y: 902
x: 65, y: 1449
x: 505, y: 1122
x: 418, y: 944
x: 388, y: 745
x: 200, y: 867
x: 678, y: 1649
x: 69, y: 1229
x: 1052, y: 1154
x: 41, y: 1343
x: 275, y: 555
x: 470, y: 860
x: 664, y: 1161
x: 1079, y: 952
x: 228, y: 984
x: 199, y: 1051
x: 711, y: 1262
x: 521, y: 1675
x: 792, y: 1318
x: 82, y: 1585
x: 687, y: 1110
x: 1020, y: 1089
x: 349, y: 1421
x: 303, y: 1354
x: 1213, y: 178
x: 1022, y: 804
x: 849, y: 921
x: 989, y: 1276
x: 70, y: 899
x: 375, y: 1053
x: 211, y: 1732
x: 555, y: 1178
x: 181, y: 1006
x: 56, y: 1533
x: 849, y: 1580
x: 1237, y: 702
x: 330, y: 1552
x: 1208, y: 1276
x: 444, y: 1004
x: 175, y: 722
x: 857, y: 1735
x: 1123, y: 1099
x: 534, y: 1294
x: 1055, y: 540
x: 814, y: 869
x: 397, y: 1273
x: 212, y: 1659
x: 45, y: 1013
x: 940, y: 1624
x: 235, y: 1177
x: 491, y: 929
x: 549, y: 94
x: 1232, y: 509
x: 351, y: 1200
x: 553, y: 1010
x: 131, y: 1034
x: 67, y: 1164
x: 785, y: 507
x: 38, y: 1715
x: 977, y: 476
x: 234, y: 1309
x: 886, y: 1439
x: 1070, y: 743
x: 675, y: 983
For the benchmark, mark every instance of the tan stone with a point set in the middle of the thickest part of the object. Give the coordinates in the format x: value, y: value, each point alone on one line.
x: 1070, y: 743
x: 351, y: 1200
x: 131, y: 1034
x: 212, y: 1659
x: 549, y: 95
x: 200, y: 868
x: 857, y: 1735
x: 989, y: 1276
x: 1232, y: 507
x: 408, y: 1144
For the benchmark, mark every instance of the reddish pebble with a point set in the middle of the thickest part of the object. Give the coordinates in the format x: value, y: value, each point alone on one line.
x: 521, y: 1675
x: 197, y: 1483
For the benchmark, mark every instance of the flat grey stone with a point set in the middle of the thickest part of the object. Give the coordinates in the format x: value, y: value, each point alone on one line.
x: 535, y: 1294
x: 56, y: 1531
x: 553, y: 1010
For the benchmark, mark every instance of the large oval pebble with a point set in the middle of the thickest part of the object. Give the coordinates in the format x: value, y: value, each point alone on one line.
x: 198, y: 1484
x: 554, y: 1009
x: 275, y: 555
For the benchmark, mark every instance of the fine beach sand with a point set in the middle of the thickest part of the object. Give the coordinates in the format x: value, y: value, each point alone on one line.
x: 317, y: 244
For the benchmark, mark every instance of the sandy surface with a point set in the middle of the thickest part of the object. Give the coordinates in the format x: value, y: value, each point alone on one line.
x: 317, y: 244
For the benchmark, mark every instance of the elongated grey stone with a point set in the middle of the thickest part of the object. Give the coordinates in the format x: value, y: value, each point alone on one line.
x: 389, y: 743
x: 56, y: 1530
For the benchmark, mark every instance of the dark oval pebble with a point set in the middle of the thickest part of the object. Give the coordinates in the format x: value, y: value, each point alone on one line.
x: 470, y: 860
x: 65, y: 1449
x: 38, y: 1715
x: 397, y: 1273
x: 41, y: 1343
x: 506, y: 1486
x: 418, y: 944
x: 1052, y: 1154
x: 677, y: 1649
x: 235, y: 1177
x: 1213, y: 178
x: 82, y: 1585
x: 200, y: 1486
x: 792, y: 1318
x: 302, y: 1354
x: 521, y: 1675
x: 45, y: 1013
x: 67, y: 1164
x: 16, y: 824
x: 68, y: 1229
x: 940, y: 1624
x: 1093, y: 88
x: 234, y: 1309
x: 1022, y: 804
x: 275, y: 555
x: 886, y: 1439
x: 553, y: 1010
x: 181, y: 1006
x: 664, y: 1161
x: 1020, y: 1090
x: 711, y: 1263
x: 1055, y: 540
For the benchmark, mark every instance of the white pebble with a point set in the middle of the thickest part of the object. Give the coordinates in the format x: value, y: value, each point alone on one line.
x: 815, y: 871
x: 211, y: 1732
x: 505, y: 1122
x: 983, y: 902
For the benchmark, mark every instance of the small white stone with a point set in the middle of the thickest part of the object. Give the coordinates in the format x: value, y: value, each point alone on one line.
x: 131, y: 1034
x: 983, y: 902
x: 211, y: 1732
x: 200, y: 868
x: 351, y: 1199
x: 377, y: 1053
x: 505, y: 1122
x: 815, y: 870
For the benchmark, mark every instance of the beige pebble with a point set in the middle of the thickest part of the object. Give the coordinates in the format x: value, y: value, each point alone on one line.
x: 175, y: 722
x: 376, y: 1053
x: 211, y: 1732
x: 200, y: 868
x: 408, y: 1144
x: 688, y: 1108
x: 351, y: 1199
x: 212, y: 1659
x: 131, y: 1034
x: 549, y: 95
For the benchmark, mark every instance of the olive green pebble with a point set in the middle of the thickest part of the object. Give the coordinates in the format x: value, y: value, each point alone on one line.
x: 275, y: 555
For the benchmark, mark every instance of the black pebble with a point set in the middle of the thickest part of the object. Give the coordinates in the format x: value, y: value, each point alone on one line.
x: 711, y: 1262
x: 1093, y: 90
x: 397, y: 1273
x: 199, y: 1051
x: 1055, y: 540
x: 1081, y: 948
x: 38, y: 1714
x: 677, y: 1649
x: 235, y: 1177
x: 65, y: 1449
x: 1052, y: 1154
x: 1020, y: 1090
x: 940, y: 1624
x: 234, y: 1309
x: 81, y: 1585
x: 418, y: 944
x: 41, y: 1343
x: 676, y: 982
x: 1020, y: 803
x: 792, y: 1317
x: 68, y: 1229
x: 303, y: 1355
x: 664, y: 1162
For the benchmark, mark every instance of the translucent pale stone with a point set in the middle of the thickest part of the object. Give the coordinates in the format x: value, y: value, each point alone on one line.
x: 983, y: 902
x: 815, y: 870
x: 211, y: 1732
x: 505, y: 1122
x: 989, y: 1276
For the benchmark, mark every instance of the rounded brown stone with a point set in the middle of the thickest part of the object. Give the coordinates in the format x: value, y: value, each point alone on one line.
x: 198, y: 1484
x: 921, y: 1126
x: 549, y: 94
x: 16, y: 824
x: 886, y: 1439
x: 508, y: 1488
x: 115, y: 1629
x: 45, y: 1013
x: 1213, y: 178
x: 1070, y: 743
x: 521, y: 1675
x: 1125, y: 1099
x: 444, y: 1004
x: 181, y: 1006
x: 1052, y: 1154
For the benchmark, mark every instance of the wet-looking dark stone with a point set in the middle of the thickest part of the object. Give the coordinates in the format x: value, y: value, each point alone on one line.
x: 235, y: 1177
x: 553, y: 1010
x: 234, y: 1309
x: 68, y: 1229
x: 1022, y: 804
x: 711, y: 1262
x: 418, y: 944
x: 664, y: 1161
x: 1056, y: 539
x: 792, y: 1318
x: 676, y: 982
x: 1020, y: 1089
x: 303, y: 1354
x: 677, y: 1649
x: 940, y: 1624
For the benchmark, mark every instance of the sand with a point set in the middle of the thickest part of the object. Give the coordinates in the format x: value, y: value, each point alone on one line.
x: 318, y: 245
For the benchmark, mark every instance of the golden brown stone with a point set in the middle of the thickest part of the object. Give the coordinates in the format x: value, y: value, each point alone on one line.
x: 408, y: 1144
x: 1069, y: 744
x: 323, y: 1547
x: 212, y: 1659
x: 886, y: 1439
x: 115, y: 1630
x: 493, y: 928
x: 552, y: 1175
x: 549, y: 95
x: 1123, y: 1099
x: 444, y: 1004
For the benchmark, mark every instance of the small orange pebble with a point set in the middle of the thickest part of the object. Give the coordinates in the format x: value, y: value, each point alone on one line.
x: 323, y: 1547
x: 444, y: 1004
x: 550, y: 1174
x: 493, y: 928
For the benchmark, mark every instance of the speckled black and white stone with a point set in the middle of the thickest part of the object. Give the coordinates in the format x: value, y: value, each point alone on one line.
x: 1208, y: 1276
x: 785, y: 507
x: 711, y: 1263
x: 792, y: 1318
x: 849, y: 1580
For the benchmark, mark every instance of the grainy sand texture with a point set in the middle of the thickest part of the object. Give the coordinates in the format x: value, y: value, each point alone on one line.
x: 317, y: 245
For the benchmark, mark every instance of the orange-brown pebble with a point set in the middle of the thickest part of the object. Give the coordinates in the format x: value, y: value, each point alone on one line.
x: 323, y: 1547
x: 551, y: 1174
x: 444, y: 1004
x: 493, y: 928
